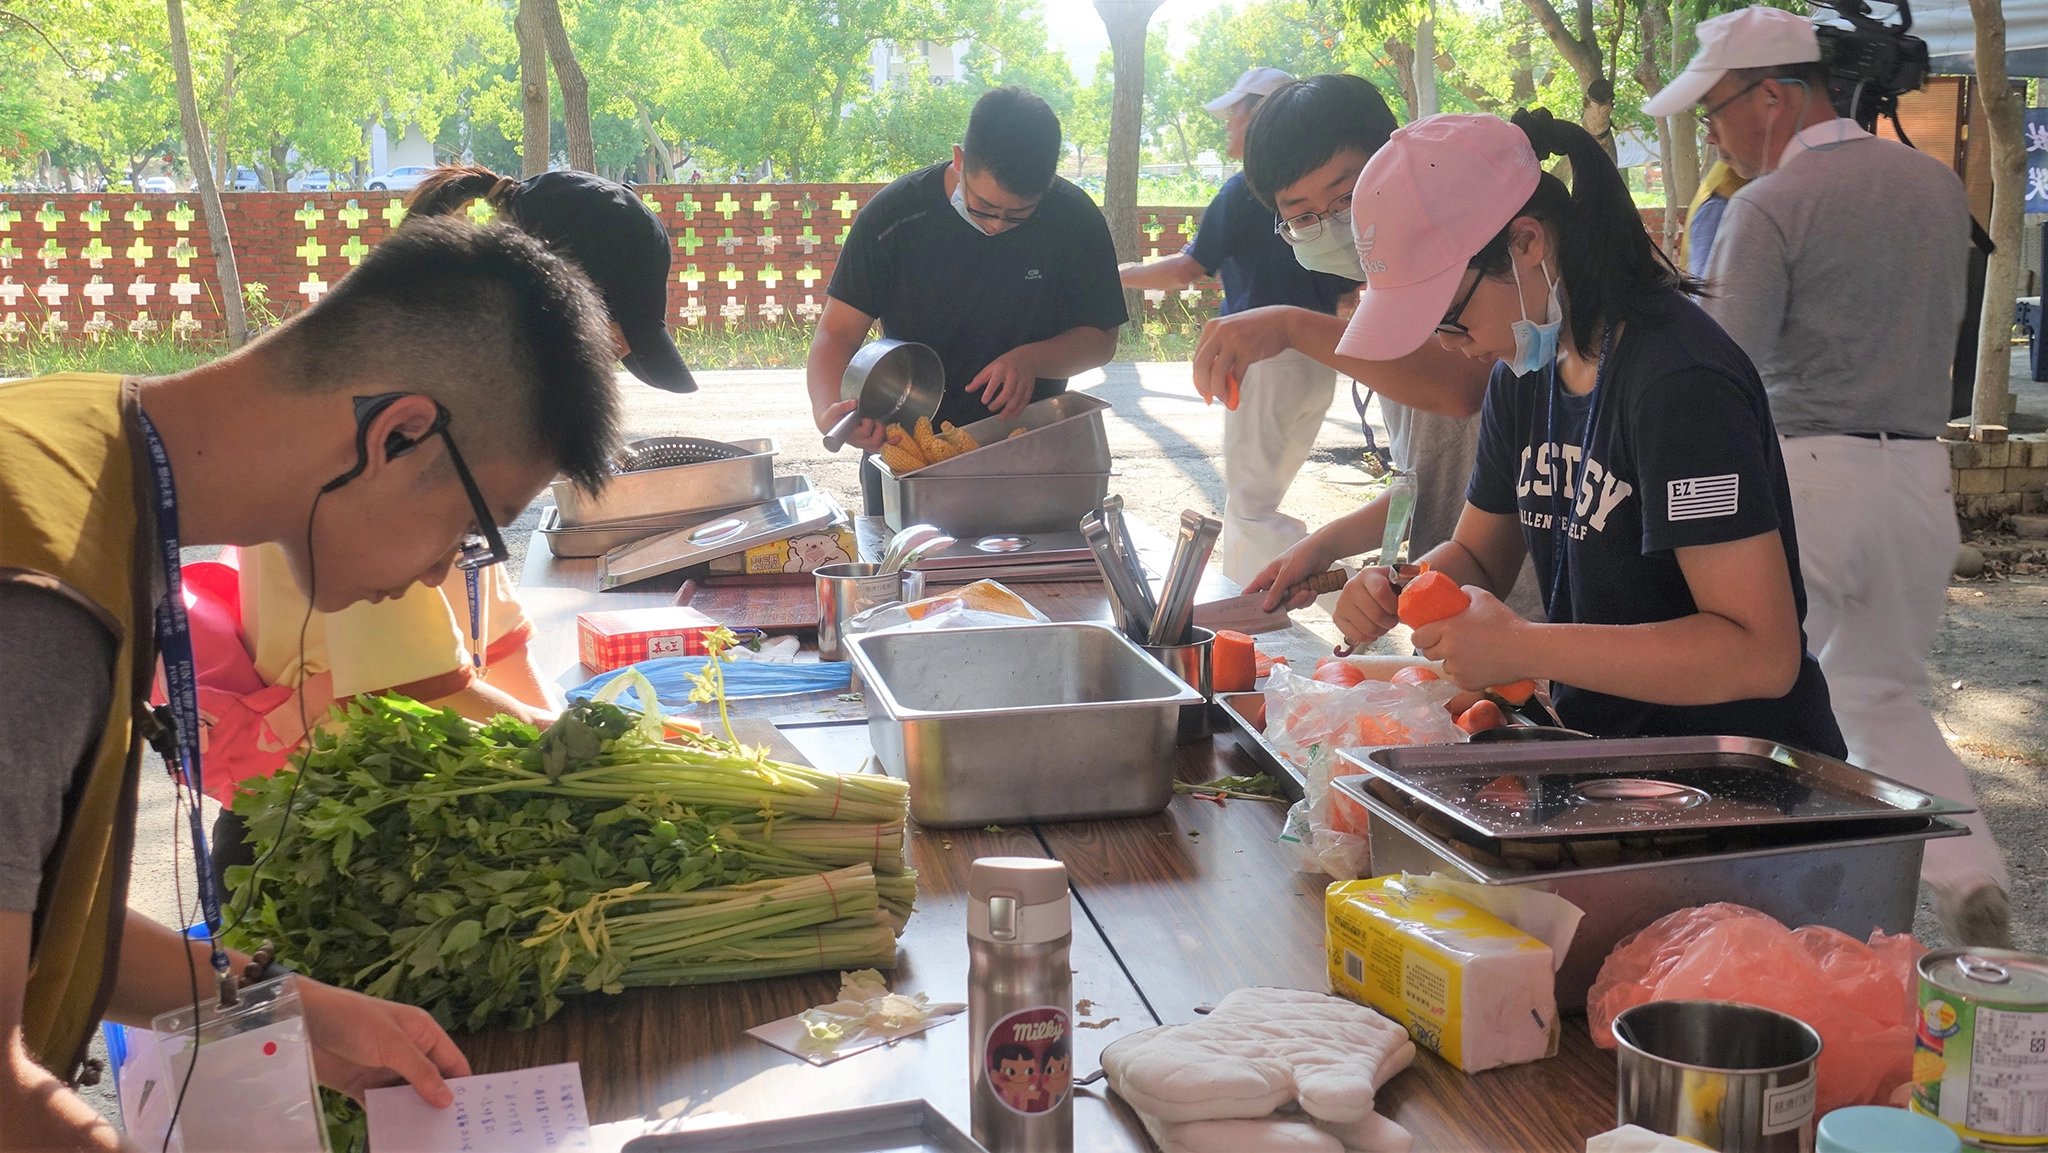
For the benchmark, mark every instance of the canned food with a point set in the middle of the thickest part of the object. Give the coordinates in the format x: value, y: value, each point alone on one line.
x: 1980, y: 1045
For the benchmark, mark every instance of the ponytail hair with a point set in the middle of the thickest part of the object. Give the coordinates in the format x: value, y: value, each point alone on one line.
x: 1612, y: 271
x: 448, y: 187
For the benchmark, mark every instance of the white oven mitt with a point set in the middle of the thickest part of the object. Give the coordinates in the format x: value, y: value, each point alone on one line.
x: 1258, y: 1051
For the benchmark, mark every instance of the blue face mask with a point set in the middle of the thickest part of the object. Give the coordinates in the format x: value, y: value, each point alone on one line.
x: 1535, y: 344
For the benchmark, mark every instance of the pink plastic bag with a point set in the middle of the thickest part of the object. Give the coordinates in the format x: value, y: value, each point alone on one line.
x: 1860, y: 997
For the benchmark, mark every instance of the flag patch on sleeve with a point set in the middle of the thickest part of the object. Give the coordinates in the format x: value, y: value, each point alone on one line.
x: 1703, y: 497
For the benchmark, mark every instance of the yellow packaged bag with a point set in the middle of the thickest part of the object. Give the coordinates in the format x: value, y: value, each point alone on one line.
x: 1465, y: 983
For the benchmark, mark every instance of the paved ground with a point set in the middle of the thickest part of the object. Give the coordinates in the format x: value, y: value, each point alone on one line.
x: 1988, y: 666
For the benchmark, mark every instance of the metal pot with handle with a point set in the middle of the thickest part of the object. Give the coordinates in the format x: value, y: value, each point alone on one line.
x: 895, y: 381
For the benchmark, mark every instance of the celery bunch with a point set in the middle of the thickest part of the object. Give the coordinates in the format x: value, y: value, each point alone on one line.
x: 485, y: 872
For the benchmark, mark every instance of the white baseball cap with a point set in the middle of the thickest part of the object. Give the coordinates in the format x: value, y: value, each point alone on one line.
x: 1254, y: 82
x: 1752, y: 38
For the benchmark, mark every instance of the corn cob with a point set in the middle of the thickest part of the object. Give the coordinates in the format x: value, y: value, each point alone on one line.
x: 958, y: 437
x: 900, y: 459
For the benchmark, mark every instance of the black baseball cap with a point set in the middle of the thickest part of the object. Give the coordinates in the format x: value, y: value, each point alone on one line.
x: 606, y: 229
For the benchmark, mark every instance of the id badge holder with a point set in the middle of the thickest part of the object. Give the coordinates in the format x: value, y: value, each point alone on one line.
x: 245, y: 1072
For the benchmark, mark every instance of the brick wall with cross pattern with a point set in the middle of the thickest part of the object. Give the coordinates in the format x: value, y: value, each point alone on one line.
x: 78, y: 266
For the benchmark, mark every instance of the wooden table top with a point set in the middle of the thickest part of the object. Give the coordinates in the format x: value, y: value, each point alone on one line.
x: 1180, y: 909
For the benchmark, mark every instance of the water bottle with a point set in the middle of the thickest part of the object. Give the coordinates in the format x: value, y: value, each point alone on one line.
x: 1020, y: 1004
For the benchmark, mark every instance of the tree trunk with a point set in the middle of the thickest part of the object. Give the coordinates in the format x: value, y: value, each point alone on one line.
x: 1523, y: 78
x: 1126, y: 21
x: 534, y: 147
x: 1683, y: 181
x: 1653, y: 27
x: 575, y: 87
x: 222, y: 164
x: 1582, y: 52
x: 1403, y: 55
x: 1424, y: 69
x: 661, y: 154
x: 2003, y: 118
x: 209, y: 191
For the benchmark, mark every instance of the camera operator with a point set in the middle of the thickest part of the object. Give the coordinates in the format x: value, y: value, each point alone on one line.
x: 1841, y: 270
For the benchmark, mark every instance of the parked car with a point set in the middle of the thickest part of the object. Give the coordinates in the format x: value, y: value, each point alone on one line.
x: 245, y: 180
x: 159, y: 184
x: 401, y: 179
x: 318, y: 180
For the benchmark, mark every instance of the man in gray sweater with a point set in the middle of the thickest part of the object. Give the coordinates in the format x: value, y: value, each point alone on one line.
x: 1840, y: 270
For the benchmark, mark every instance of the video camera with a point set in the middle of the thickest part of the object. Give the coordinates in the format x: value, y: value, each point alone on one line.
x: 1871, y: 63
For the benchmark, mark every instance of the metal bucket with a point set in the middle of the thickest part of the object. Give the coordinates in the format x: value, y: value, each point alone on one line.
x: 1191, y: 662
x: 847, y: 590
x: 1734, y: 1077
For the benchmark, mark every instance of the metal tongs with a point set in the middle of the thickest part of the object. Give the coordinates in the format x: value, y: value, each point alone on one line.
x: 1130, y: 599
x: 1176, y: 609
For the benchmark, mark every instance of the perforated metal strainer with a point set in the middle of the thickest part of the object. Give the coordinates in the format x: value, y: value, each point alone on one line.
x: 672, y: 452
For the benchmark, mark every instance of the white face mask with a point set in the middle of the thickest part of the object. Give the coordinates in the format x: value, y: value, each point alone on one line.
x: 960, y: 203
x: 1535, y: 344
x: 1334, y: 250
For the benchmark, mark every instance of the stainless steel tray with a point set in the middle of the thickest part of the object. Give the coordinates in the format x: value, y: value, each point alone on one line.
x: 742, y: 480
x: 1642, y: 785
x: 1245, y: 714
x: 980, y: 505
x: 1037, y: 722
x: 1063, y: 433
x: 1846, y: 881
x: 598, y: 539
x: 897, y: 1127
x: 719, y: 537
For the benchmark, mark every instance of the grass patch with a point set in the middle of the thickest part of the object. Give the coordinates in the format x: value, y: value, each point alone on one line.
x: 1169, y: 333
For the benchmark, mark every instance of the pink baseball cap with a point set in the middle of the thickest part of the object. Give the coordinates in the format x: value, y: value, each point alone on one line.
x: 1427, y: 202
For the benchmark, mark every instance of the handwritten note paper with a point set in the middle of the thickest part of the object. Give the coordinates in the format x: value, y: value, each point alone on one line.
x: 537, y: 1110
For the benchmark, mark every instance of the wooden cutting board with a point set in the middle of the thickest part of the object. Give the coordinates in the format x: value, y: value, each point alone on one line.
x: 771, y: 608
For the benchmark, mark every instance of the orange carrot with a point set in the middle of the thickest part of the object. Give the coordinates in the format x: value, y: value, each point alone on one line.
x: 1232, y: 664
x: 1415, y: 675
x: 1337, y: 672
x: 1432, y: 597
x: 1516, y: 694
x: 1481, y: 717
x: 1457, y: 705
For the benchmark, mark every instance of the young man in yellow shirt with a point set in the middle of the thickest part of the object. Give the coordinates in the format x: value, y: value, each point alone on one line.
x: 334, y: 437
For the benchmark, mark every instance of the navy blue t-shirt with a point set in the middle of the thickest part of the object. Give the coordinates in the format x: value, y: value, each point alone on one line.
x: 1681, y: 452
x: 1236, y: 243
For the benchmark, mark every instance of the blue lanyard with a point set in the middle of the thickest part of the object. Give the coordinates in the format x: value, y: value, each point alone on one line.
x: 181, y: 678
x: 1560, y: 522
x: 471, y: 578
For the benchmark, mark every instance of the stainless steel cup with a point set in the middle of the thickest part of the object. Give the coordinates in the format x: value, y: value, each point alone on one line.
x: 1737, y: 1078
x: 1190, y: 661
x: 846, y: 590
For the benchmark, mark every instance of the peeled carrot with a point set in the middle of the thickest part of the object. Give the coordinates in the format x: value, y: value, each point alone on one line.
x: 1233, y: 663
x: 1432, y: 597
x: 1516, y: 694
x: 1337, y: 672
x: 1483, y: 716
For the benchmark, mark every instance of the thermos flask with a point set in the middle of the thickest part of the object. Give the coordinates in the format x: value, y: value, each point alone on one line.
x: 1020, y: 1004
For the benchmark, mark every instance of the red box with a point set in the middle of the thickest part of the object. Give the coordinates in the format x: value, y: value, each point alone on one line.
x: 610, y: 640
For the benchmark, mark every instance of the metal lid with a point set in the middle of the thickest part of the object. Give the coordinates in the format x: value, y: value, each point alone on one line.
x: 1638, y: 785
x: 2003, y: 975
x: 721, y: 536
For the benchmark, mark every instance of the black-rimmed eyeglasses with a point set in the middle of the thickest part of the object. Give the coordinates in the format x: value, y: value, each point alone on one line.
x: 481, y: 548
x: 1707, y: 115
x: 1449, y: 325
x: 1306, y: 226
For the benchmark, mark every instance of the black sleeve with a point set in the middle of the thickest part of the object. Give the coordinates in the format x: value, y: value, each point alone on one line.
x: 863, y: 276
x: 1212, y: 240
x: 1698, y: 439
x: 1497, y: 466
x: 1094, y: 295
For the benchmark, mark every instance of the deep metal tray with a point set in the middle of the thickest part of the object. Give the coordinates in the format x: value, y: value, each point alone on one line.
x: 1804, y: 877
x: 1639, y: 785
x: 598, y: 539
x: 897, y: 1127
x: 979, y: 505
x: 1062, y: 433
x: 719, y: 537
x: 742, y: 480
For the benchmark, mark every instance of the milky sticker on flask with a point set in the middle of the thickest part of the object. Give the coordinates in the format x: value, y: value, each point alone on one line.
x: 1028, y: 1060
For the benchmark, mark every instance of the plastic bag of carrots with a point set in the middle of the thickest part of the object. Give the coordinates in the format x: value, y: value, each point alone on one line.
x: 1308, y: 720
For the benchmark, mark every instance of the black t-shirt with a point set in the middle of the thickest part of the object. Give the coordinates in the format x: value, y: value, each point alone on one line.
x: 1237, y: 244
x: 1682, y: 453
x: 931, y: 277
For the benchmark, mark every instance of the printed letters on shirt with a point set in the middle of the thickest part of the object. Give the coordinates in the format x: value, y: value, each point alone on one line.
x: 1594, y: 493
